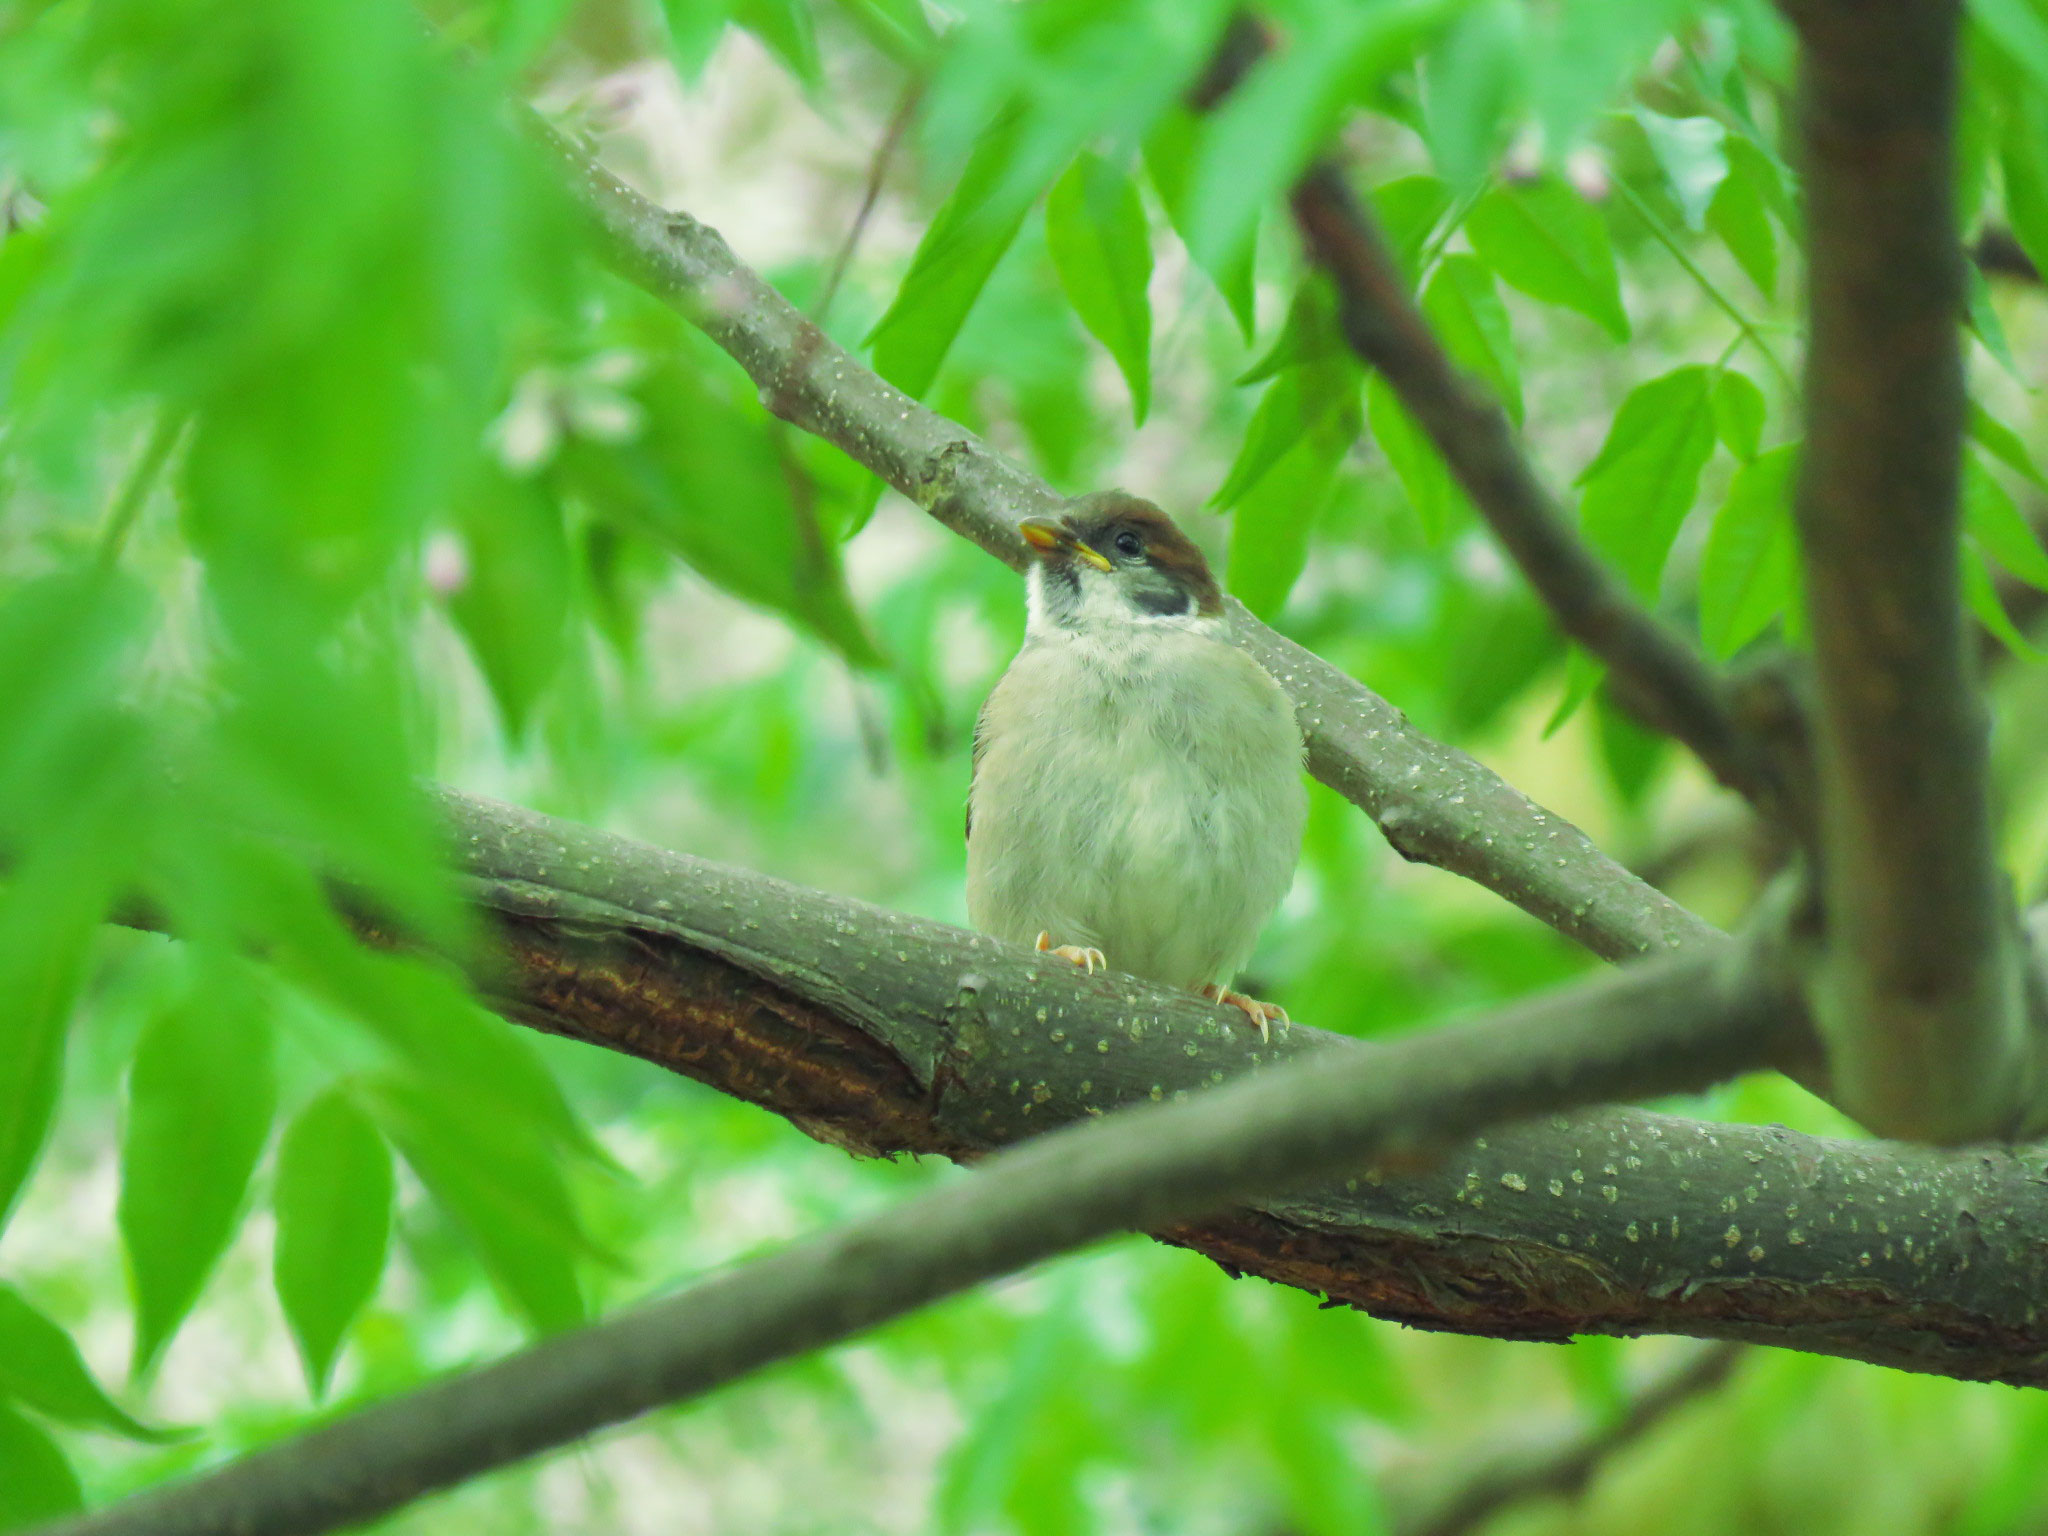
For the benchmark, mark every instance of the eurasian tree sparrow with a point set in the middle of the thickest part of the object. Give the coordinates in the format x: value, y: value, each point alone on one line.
x: 1137, y: 779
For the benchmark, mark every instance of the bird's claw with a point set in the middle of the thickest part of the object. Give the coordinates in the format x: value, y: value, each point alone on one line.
x: 1261, y: 1014
x: 1090, y: 960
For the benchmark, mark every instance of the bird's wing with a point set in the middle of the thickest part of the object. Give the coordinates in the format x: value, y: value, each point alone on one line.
x: 974, y: 765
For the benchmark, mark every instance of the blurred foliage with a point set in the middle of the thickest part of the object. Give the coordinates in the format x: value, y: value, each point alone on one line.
x: 333, y: 459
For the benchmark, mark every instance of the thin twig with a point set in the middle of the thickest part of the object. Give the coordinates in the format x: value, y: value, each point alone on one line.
x: 878, y: 170
x: 1706, y: 284
x: 1919, y: 989
x: 141, y: 479
x: 1657, y: 673
x: 1554, y: 1460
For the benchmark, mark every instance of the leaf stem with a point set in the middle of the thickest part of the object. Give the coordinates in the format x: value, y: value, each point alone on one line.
x: 1708, y: 286
x: 141, y: 479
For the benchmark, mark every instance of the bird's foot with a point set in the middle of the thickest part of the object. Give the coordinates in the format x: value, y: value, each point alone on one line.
x: 1261, y: 1014
x: 1090, y: 960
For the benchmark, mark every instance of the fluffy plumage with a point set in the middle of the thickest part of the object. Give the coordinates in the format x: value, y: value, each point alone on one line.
x: 1137, y: 784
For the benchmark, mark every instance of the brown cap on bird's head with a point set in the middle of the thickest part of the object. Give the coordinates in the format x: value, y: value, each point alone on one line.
x: 1109, y: 529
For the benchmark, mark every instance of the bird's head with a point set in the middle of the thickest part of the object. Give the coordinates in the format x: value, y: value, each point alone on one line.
x: 1115, y: 559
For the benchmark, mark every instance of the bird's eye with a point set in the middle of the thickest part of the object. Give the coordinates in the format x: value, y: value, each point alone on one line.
x: 1129, y: 544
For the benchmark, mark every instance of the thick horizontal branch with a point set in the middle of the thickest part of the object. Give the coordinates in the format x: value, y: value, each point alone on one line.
x: 1919, y: 994
x: 1433, y: 803
x: 886, y: 1033
x: 1661, y: 676
x: 1671, y: 1024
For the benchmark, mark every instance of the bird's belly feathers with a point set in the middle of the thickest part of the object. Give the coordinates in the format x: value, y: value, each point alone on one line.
x: 1145, y: 800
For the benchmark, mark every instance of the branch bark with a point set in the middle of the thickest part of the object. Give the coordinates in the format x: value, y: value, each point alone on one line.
x: 1918, y: 989
x: 856, y: 1023
x: 1660, y: 676
x: 1434, y: 803
x: 1677, y: 1023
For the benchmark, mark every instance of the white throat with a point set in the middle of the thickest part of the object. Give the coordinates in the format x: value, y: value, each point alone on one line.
x: 1099, y: 609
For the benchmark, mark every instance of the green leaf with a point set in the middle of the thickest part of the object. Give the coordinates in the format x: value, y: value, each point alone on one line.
x: 1692, y: 153
x: 1749, y: 568
x: 1981, y: 593
x: 1439, y: 501
x: 1095, y: 229
x: 200, y: 1098
x: 1409, y: 208
x: 76, y: 779
x: 1169, y: 157
x: 59, y: 775
x: 1631, y: 754
x: 1269, y: 530
x: 1258, y: 141
x: 2004, y: 444
x: 321, y: 755
x: 1996, y: 522
x: 694, y: 29
x: 504, y: 1188
x: 1308, y: 335
x: 714, y: 483
x: 1472, y: 323
x: 1586, y: 54
x: 1547, y: 241
x: 1740, y: 215
x: 899, y: 28
x: 333, y: 1199
x: 785, y: 26
x: 2024, y: 162
x: 1474, y: 77
x: 1297, y: 402
x: 1739, y: 414
x: 39, y: 1484
x: 2021, y: 30
x: 1640, y: 487
x: 31, y: 1070
x: 512, y: 601
x: 952, y: 263
x: 41, y: 1368
x: 1985, y: 324
x: 1582, y: 674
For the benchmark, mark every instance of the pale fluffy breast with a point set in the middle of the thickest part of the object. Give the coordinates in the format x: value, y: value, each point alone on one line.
x: 1139, y: 790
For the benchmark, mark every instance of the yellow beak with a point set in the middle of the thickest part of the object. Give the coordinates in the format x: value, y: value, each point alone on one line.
x: 1046, y: 535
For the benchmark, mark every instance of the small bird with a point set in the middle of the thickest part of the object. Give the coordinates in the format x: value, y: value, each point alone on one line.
x: 1137, y: 791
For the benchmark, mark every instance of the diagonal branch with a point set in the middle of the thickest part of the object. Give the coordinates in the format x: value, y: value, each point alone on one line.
x: 1661, y: 676
x: 1676, y: 1023
x: 1434, y: 803
x: 885, y: 1033
x: 1919, y: 990
x: 1551, y: 1459
x: 892, y: 1033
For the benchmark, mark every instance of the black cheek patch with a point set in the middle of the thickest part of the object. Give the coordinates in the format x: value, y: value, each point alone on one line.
x: 1167, y: 602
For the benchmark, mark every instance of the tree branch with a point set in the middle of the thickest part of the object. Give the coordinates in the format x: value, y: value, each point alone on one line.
x: 1553, y: 1459
x: 1434, y: 803
x: 1657, y: 673
x: 857, y: 1024
x: 1676, y: 1023
x: 1918, y: 990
